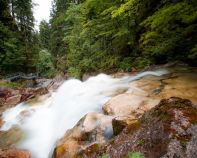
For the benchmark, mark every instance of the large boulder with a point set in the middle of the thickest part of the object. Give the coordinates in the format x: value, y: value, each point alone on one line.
x: 167, y: 131
x: 127, y: 104
x: 14, y: 153
x: 91, y: 131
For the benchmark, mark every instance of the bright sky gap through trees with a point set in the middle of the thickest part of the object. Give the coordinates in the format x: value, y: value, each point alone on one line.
x: 41, y: 11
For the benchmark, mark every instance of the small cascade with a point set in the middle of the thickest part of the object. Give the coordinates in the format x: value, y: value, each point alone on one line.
x: 46, y: 122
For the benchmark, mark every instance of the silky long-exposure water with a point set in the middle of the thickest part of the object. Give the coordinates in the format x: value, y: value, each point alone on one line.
x: 47, y: 121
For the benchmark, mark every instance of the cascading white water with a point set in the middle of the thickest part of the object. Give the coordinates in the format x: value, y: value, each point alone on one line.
x: 48, y: 121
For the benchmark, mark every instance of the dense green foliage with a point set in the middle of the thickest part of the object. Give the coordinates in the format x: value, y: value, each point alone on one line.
x: 103, y: 35
x: 18, y: 41
x: 97, y: 35
x: 45, y: 64
x: 129, y: 155
x: 135, y: 155
x: 12, y: 84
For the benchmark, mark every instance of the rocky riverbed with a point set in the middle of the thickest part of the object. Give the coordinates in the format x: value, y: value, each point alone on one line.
x: 147, y: 118
x: 155, y: 116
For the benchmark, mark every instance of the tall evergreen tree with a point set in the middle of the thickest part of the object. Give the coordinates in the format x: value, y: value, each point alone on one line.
x: 44, y: 34
x: 18, y: 39
x: 9, y: 40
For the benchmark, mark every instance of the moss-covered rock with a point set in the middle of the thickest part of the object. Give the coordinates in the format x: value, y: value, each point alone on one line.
x: 14, y: 153
x: 169, y: 130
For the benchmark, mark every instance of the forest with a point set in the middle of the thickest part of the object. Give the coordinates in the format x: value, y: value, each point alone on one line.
x: 85, y: 36
x: 98, y: 79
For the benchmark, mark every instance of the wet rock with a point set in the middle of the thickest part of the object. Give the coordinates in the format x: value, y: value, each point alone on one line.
x: 147, y: 85
x: 121, y: 122
x: 127, y: 104
x: 182, y: 85
x: 181, y: 81
x: 120, y: 74
x: 13, y: 100
x: 50, y: 84
x: 2, y: 101
x: 11, y: 97
x: 91, y: 131
x: 167, y: 131
x: 14, y: 153
x: 86, y: 76
x: 1, y: 122
x: 26, y: 97
x: 4, y: 92
x: 36, y: 91
x: 8, y: 139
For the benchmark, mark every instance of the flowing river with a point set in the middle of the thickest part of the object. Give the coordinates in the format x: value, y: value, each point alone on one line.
x: 47, y: 121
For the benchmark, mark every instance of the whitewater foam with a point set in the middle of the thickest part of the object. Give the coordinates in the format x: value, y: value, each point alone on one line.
x: 49, y: 120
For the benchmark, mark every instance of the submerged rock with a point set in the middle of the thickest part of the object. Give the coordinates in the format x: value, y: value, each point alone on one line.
x: 9, y: 139
x: 140, y: 124
x: 180, y: 82
x: 169, y: 130
x: 90, y: 132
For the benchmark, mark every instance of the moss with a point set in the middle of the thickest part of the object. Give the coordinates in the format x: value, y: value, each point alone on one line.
x: 153, y: 133
x: 165, y: 112
x: 12, y: 84
x: 140, y: 142
x: 134, y: 155
x: 104, y: 156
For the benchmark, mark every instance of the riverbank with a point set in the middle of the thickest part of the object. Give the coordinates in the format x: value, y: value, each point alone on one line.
x: 13, y: 93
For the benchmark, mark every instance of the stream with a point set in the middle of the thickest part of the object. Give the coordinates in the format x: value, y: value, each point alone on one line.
x: 44, y: 123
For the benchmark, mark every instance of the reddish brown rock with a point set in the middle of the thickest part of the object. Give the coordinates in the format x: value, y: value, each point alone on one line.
x: 26, y: 97
x: 14, y: 153
x: 4, y: 92
x: 169, y: 130
x: 13, y: 100
x: 11, y: 97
